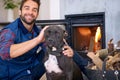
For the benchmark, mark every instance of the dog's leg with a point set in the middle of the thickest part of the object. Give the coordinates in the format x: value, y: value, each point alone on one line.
x: 46, y: 54
x: 69, y: 75
x: 66, y: 65
x: 70, y: 71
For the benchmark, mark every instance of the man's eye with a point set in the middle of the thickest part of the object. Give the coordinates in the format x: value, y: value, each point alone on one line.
x: 26, y: 8
x: 34, y: 10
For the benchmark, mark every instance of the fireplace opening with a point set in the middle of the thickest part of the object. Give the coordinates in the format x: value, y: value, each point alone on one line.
x: 87, y: 38
x: 86, y: 31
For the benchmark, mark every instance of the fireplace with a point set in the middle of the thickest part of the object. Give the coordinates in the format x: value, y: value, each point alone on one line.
x: 86, y: 31
x: 82, y: 30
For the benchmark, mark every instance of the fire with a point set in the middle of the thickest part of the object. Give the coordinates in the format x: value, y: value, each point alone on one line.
x: 97, y: 45
x: 98, y: 35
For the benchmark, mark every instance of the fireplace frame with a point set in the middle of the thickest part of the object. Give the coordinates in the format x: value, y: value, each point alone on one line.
x: 88, y: 19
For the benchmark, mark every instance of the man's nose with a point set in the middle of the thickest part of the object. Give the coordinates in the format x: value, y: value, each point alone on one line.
x: 30, y: 11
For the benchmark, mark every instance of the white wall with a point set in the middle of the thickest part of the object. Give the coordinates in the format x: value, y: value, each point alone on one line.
x: 44, y: 10
x: 54, y: 9
x: 49, y: 9
x: 3, y: 13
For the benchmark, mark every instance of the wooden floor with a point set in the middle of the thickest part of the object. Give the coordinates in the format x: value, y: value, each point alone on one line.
x: 43, y: 77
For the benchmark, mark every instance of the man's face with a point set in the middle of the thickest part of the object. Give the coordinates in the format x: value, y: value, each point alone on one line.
x: 29, y: 12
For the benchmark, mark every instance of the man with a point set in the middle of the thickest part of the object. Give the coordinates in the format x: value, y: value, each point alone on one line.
x: 19, y: 44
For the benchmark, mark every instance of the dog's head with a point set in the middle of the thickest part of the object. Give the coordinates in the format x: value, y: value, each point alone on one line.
x: 54, y: 36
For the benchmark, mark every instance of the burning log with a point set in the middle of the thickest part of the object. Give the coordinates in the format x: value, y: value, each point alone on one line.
x: 114, y: 62
x: 96, y: 60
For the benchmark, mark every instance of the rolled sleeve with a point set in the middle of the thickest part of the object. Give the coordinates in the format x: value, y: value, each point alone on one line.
x: 6, y: 40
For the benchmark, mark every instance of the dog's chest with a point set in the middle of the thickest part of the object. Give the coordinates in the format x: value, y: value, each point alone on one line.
x: 51, y: 65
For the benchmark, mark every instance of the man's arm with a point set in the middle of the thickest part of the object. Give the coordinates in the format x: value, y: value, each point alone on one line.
x: 80, y: 61
x: 10, y: 50
x: 21, y: 48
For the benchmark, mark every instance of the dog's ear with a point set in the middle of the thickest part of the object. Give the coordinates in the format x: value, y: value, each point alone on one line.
x: 65, y: 34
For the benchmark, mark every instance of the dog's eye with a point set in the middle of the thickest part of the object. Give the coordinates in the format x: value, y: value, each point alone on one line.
x: 49, y: 31
x: 56, y: 32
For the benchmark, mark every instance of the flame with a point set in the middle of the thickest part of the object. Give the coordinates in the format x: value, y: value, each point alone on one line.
x: 98, y: 35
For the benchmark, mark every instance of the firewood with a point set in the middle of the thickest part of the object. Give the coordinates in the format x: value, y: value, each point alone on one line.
x: 96, y: 60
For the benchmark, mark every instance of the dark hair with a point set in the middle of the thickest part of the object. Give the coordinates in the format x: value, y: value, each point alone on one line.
x: 23, y: 1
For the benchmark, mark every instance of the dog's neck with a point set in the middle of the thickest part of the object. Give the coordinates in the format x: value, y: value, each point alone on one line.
x: 57, y: 51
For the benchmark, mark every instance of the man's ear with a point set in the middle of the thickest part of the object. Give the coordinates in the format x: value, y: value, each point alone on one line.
x: 19, y: 12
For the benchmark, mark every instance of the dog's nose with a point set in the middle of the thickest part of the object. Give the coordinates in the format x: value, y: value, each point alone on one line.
x: 50, y: 40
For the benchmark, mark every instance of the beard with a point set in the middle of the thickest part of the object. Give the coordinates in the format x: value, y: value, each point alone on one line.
x: 27, y: 21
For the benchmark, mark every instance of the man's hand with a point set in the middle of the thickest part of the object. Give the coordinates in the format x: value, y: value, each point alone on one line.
x: 68, y: 51
x: 41, y: 35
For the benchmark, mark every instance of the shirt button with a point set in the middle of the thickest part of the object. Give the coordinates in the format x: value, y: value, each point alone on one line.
x: 30, y: 37
x: 28, y: 71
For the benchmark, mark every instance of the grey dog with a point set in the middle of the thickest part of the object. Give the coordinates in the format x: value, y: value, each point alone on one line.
x: 58, y: 66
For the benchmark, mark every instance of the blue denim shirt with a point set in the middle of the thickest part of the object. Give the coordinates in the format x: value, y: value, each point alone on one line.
x: 16, y: 33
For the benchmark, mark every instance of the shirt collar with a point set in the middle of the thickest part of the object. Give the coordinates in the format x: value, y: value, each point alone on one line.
x: 25, y: 31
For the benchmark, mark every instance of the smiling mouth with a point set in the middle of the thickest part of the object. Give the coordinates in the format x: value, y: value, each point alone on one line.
x: 29, y: 17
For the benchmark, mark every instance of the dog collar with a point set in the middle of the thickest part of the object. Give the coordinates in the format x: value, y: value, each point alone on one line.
x: 56, y: 52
